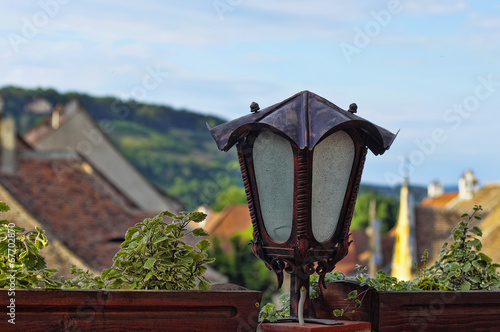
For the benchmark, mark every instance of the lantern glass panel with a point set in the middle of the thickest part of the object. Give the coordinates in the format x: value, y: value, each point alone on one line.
x: 274, y: 175
x: 332, y: 163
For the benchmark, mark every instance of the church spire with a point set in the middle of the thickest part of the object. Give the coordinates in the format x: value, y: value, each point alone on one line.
x: 402, y: 255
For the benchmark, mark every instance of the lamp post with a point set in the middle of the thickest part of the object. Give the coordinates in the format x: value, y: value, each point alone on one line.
x: 301, y: 162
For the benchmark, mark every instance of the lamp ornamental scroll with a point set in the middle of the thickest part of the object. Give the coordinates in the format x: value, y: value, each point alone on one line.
x: 301, y: 162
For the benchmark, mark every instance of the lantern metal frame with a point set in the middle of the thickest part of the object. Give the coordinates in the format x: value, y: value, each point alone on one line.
x: 304, y: 120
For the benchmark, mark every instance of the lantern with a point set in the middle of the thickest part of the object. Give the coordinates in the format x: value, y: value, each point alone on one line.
x: 301, y: 162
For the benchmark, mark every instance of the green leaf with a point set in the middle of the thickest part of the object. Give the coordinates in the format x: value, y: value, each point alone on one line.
x: 475, y: 279
x: 197, y: 216
x: 149, y: 263
x: 167, y: 214
x: 465, y: 286
x: 149, y: 275
x: 454, y: 266
x: 161, y: 239
x: 476, y: 230
x: 474, y: 243
x: 130, y: 233
x: 203, y: 285
x: 338, y: 312
x: 199, y: 232
x: 352, y: 295
x: 486, y: 258
x: 4, y: 207
x: 203, y: 245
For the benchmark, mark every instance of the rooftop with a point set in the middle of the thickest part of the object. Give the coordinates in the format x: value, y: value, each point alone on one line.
x: 74, y: 203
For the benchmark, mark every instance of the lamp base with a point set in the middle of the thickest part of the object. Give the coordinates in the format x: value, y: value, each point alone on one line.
x: 339, y: 326
x: 311, y: 321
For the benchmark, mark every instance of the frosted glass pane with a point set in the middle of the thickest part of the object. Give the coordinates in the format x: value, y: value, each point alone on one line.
x: 332, y: 163
x: 273, y: 165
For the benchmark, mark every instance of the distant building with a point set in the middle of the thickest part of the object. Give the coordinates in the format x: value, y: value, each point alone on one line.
x: 438, y: 215
x: 38, y: 106
x: 72, y: 129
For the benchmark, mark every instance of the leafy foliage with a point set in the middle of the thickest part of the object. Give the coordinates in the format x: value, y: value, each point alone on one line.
x: 83, y: 280
x: 155, y: 256
x: 21, y: 264
x: 386, y: 211
x: 461, y: 265
x: 241, y: 266
x: 271, y: 313
x: 232, y: 195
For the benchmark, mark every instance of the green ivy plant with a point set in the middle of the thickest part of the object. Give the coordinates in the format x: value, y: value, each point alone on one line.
x: 382, y: 282
x: 83, y: 280
x: 153, y: 256
x: 21, y: 265
x: 271, y: 313
x: 461, y: 264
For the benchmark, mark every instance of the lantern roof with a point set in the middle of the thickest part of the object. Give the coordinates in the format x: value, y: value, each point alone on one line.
x: 304, y: 118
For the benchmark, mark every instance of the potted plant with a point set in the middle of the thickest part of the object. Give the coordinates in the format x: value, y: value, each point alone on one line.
x: 149, y: 287
x: 458, y: 292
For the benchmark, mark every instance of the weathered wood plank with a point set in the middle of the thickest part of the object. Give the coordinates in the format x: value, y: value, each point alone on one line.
x: 436, y: 311
x: 88, y: 310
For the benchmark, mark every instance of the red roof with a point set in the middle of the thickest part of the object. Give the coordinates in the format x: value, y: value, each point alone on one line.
x: 74, y: 203
x: 233, y: 219
x: 439, y: 201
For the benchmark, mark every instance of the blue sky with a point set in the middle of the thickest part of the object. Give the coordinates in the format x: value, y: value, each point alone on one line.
x: 428, y: 68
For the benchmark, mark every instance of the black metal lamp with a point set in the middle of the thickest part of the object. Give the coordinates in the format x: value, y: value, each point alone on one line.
x: 301, y: 161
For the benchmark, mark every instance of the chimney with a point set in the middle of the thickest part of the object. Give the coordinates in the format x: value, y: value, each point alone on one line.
x: 468, y: 185
x: 1, y: 104
x: 435, y: 189
x: 8, y: 141
x: 56, y: 116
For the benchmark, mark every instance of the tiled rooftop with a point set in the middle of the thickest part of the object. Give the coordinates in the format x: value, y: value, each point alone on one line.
x: 231, y: 220
x: 74, y: 203
x: 440, y: 201
x: 491, y: 235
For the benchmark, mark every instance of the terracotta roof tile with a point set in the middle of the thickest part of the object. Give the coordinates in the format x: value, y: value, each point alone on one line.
x: 491, y: 235
x: 81, y: 209
x: 439, y: 201
x: 226, y: 223
x: 488, y: 197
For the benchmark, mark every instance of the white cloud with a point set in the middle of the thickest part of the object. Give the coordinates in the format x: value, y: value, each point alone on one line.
x: 432, y: 7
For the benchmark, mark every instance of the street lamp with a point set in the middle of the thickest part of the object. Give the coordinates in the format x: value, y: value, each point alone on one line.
x: 301, y: 162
